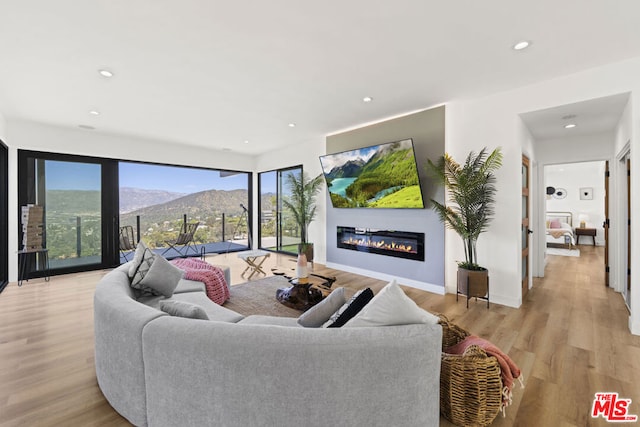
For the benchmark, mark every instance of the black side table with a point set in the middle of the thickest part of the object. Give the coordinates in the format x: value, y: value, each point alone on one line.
x: 23, y: 265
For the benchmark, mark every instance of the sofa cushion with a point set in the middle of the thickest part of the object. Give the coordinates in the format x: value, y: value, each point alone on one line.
x: 270, y: 320
x: 317, y: 315
x: 183, y: 309
x: 186, y: 285
x: 156, y: 275
x: 349, y: 309
x: 391, y: 306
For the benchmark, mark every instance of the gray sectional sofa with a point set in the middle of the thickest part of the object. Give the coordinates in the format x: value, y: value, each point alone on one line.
x: 160, y: 370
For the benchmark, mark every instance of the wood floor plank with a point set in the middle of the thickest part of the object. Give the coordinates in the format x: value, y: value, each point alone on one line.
x: 570, y: 338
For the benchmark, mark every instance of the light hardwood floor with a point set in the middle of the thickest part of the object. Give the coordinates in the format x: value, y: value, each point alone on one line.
x: 570, y: 337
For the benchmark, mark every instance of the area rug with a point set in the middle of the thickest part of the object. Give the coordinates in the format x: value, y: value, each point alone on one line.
x: 563, y: 252
x: 259, y: 297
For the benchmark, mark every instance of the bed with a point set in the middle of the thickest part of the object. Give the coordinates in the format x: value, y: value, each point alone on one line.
x: 560, y: 230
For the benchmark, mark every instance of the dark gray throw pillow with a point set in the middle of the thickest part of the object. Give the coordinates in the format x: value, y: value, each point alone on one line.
x: 349, y: 309
x: 317, y: 315
x: 183, y: 309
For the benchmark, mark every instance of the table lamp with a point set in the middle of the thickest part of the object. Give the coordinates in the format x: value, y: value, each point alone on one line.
x: 583, y: 218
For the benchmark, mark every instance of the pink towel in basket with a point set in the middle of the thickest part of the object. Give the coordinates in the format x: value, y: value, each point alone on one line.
x: 509, y: 371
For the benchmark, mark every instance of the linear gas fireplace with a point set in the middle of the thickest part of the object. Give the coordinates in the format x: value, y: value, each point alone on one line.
x: 401, y: 244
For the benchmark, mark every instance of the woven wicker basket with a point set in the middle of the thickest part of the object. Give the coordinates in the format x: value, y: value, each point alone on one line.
x: 470, y: 384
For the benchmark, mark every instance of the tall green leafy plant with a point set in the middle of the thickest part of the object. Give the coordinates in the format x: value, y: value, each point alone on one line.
x: 471, y: 197
x: 302, y: 200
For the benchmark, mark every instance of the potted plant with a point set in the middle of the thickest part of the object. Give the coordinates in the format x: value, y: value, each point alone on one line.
x: 302, y: 204
x: 469, y: 210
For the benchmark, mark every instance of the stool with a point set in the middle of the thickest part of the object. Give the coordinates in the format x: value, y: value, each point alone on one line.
x: 254, y: 260
x: 23, y: 270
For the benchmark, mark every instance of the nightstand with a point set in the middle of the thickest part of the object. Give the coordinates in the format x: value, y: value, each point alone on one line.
x: 586, y: 232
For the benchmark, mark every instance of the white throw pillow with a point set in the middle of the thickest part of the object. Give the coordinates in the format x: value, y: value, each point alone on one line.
x: 391, y: 306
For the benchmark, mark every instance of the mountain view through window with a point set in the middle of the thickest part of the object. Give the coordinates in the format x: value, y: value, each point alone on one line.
x: 161, y: 196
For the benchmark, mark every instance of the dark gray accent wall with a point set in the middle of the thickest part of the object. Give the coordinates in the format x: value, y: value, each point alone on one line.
x: 426, y: 128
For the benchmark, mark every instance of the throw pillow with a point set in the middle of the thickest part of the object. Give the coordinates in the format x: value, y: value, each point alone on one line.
x: 555, y: 224
x: 137, y: 258
x: 349, y: 309
x: 183, y: 309
x: 317, y: 315
x: 156, y: 276
x: 142, y: 267
x: 391, y: 306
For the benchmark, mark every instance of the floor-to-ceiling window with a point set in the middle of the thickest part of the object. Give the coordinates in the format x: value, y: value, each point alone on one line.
x: 87, y: 200
x: 156, y: 199
x: 278, y: 229
x: 4, y: 224
x: 79, y: 205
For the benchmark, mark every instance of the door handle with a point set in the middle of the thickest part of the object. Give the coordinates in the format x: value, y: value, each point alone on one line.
x: 529, y: 231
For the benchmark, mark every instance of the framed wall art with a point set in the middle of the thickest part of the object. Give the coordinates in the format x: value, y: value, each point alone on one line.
x: 586, y: 193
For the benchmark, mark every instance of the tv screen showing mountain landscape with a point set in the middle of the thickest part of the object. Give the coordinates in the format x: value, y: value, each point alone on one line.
x: 380, y: 176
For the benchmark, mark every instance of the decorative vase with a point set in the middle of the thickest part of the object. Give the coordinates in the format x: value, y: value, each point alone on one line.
x: 302, y: 270
x: 307, y: 250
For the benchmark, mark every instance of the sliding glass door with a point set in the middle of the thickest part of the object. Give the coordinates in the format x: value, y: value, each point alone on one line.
x: 4, y: 223
x: 88, y: 200
x: 78, y: 209
x: 278, y: 229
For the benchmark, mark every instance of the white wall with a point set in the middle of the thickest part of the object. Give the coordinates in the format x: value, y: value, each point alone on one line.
x: 307, y: 154
x: 3, y: 126
x: 493, y: 121
x: 572, y: 177
x: 41, y: 137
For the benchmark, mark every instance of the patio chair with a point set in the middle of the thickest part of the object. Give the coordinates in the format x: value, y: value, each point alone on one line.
x: 184, y: 240
x: 127, y: 241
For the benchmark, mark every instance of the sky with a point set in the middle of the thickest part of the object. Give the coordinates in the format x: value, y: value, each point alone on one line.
x: 72, y: 175
x: 178, y: 179
x: 86, y: 176
x: 330, y: 161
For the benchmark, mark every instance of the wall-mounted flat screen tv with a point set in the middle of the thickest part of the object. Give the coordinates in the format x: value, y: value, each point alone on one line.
x: 380, y: 176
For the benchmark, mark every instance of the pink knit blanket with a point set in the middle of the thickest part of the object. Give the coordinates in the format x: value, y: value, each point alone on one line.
x: 212, y: 277
x: 508, y: 369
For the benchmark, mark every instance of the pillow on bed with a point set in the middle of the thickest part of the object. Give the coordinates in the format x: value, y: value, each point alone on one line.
x: 555, y: 224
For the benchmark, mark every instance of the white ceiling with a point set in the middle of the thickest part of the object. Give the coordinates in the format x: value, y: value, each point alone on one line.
x: 593, y: 116
x: 213, y: 73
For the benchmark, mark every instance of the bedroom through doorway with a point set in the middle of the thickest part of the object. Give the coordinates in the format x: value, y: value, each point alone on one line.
x: 575, y: 215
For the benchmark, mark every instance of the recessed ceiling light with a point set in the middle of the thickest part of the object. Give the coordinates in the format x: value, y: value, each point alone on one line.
x: 94, y: 112
x: 367, y: 99
x: 570, y: 126
x: 246, y: 141
x: 87, y: 127
x: 292, y: 125
x: 521, y: 45
x: 106, y: 73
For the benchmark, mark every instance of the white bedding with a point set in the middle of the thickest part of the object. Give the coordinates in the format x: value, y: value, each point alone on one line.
x: 567, y: 238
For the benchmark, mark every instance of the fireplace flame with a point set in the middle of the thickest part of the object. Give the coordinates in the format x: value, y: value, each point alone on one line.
x: 392, y: 246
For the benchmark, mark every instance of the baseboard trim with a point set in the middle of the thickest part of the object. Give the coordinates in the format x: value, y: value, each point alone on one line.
x: 634, y: 327
x: 429, y: 287
x: 507, y: 301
